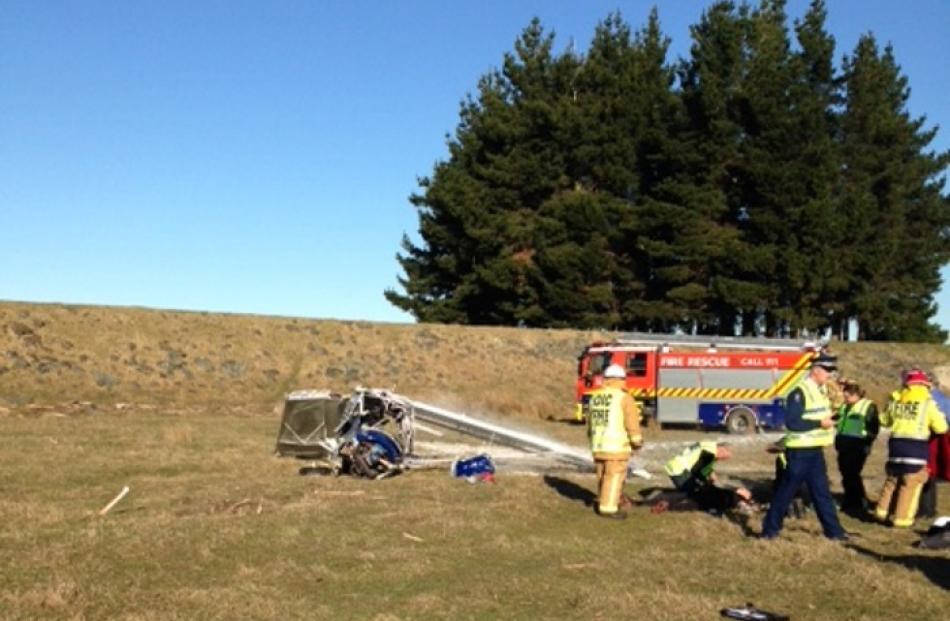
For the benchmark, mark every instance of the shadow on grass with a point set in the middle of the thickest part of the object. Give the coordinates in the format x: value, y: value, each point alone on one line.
x: 571, y: 490
x: 935, y: 568
x: 571, y: 422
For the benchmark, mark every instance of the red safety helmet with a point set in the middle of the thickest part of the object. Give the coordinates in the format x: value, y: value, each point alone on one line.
x: 916, y: 376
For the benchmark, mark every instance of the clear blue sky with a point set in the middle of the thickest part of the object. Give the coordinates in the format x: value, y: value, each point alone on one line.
x: 256, y: 157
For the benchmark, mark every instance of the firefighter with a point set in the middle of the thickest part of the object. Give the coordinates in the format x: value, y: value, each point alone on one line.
x: 613, y: 428
x: 911, y: 417
x: 856, y: 431
x: 808, y: 418
x: 692, y: 472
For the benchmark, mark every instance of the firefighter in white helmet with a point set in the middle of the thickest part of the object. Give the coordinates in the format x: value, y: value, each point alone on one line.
x: 613, y: 428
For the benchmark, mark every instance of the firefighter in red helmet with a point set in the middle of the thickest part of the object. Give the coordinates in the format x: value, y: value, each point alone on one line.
x: 911, y: 416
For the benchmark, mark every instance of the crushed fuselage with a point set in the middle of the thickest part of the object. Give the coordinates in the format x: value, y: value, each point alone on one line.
x: 371, y: 433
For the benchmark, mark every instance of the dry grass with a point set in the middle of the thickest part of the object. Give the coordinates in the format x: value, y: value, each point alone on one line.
x: 215, y: 527
x: 57, y: 355
x: 51, y: 354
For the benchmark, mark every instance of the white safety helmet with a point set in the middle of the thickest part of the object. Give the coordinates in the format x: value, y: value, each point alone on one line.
x: 615, y: 371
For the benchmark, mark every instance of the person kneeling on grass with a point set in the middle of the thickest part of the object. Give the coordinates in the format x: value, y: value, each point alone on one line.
x: 692, y: 472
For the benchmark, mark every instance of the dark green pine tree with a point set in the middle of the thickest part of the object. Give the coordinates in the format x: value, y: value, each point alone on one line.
x: 478, y: 211
x: 892, y: 193
x: 574, y: 269
x: 815, y: 95
x: 603, y: 164
x: 587, y: 274
x: 790, y: 163
x: 712, y: 80
x: 681, y: 231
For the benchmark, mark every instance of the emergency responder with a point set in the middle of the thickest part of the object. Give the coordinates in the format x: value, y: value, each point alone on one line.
x: 613, y: 428
x: 692, y: 472
x: 939, y: 455
x: 911, y: 417
x: 857, y: 429
x: 808, y: 418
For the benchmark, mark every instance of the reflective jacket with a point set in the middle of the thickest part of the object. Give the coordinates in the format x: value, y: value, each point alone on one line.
x: 817, y: 408
x: 912, y: 417
x: 606, y: 429
x: 854, y: 419
x: 683, y: 464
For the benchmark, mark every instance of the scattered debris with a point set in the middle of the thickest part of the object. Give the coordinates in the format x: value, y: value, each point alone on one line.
x: 750, y: 613
x: 636, y: 469
x: 413, y: 538
x: 479, y: 468
x: 578, y: 566
x: 238, y: 505
x: 114, y: 501
x: 247, y: 502
x: 937, y: 536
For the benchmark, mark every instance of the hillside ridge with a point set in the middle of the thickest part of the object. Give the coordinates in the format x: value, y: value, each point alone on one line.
x: 64, y: 353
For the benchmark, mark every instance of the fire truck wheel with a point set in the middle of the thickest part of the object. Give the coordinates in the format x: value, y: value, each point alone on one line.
x: 740, y: 420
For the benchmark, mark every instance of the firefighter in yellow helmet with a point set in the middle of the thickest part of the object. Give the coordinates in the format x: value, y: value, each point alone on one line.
x: 911, y: 417
x: 613, y: 428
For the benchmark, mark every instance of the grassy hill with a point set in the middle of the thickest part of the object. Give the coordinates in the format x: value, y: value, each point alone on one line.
x: 57, y: 354
x: 179, y: 407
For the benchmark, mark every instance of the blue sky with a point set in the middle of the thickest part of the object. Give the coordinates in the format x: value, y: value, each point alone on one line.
x: 257, y: 157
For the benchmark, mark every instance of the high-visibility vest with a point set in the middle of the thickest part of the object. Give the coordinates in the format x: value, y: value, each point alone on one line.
x: 682, y: 464
x: 605, y: 422
x: 817, y: 408
x: 911, y: 417
x: 853, y: 421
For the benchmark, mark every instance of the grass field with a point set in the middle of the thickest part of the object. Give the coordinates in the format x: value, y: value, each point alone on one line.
x: 216, y: 527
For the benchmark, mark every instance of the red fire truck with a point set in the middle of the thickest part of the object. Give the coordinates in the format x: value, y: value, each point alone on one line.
x: 736, y: 383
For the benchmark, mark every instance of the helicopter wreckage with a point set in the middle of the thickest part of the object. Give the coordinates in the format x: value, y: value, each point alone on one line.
x: 372, y: 433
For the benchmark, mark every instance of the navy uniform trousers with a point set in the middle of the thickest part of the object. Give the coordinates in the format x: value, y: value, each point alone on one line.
x: 805, y: 465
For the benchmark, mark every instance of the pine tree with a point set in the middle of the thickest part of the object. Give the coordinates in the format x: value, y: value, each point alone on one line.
x: 791, y: 164
x: 679, y: 236
x: 712, y: 79
x: 892, y: 195
x: 766, y: 192
x: 478, y: 212
x: 814, y: 97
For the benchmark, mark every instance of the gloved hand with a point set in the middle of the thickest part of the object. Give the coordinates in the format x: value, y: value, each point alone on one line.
x: 636, y: 443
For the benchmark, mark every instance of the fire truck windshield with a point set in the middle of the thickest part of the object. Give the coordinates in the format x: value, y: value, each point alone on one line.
x: 598, y: 362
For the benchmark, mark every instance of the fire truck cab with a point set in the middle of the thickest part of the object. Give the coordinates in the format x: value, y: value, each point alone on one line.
x: 732, y: 382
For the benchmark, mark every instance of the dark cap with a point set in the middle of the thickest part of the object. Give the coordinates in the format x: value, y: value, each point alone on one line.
x: 825, y: 361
